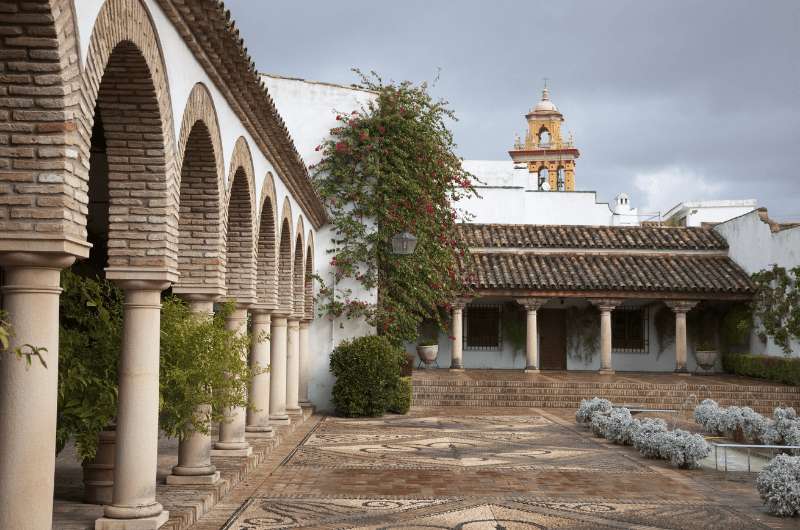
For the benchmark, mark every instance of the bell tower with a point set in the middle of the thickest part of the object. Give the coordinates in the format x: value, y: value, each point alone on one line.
x: 549, y: 157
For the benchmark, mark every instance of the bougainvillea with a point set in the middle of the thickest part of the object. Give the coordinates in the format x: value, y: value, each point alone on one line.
x: 387, y: 168
x: 776, y: 305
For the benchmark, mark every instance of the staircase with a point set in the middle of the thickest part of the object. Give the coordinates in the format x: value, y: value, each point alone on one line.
x: 488, y: 388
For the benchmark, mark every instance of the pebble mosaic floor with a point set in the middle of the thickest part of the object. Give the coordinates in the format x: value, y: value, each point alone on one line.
x: 487, y: 469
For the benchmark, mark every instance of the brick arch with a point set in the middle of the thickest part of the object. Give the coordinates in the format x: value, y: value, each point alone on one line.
x: 44, y: 177
x: 240, y: 226
x: 285, y: 261
x: 298, y: 276
x: 267, y: 275
x: 308, y: 305
x: 125, y: 85
x: 201, y: 241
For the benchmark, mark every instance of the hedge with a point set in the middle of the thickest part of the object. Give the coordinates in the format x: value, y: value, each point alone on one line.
x: 779, y: 369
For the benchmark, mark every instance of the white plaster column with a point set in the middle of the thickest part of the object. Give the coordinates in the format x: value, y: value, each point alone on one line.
x: 277, y: 375
x: 293, y: 368
x: 28, y: 394
x: 258, y: 413
x: 531, y: 306
x: 136, y: 459
x: 194, y: 450
x: 232, y: 429
x: 305, y: 359
x: 457, y: 351
x: 606, y: 306
x: 680, y: 308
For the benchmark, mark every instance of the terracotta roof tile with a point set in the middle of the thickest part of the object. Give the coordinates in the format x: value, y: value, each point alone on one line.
x: 603, y: 272
x: 591, y: 237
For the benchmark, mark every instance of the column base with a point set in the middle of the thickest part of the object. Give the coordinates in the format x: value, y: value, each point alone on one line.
x: 145, y: 523
x: 194, y: 471
x: 606, y: 371
x: 682, y: 372
x: 531, y: 370
x: 259, y: 429
x: 457, y: 367
x: 180, y: 480
x: 280, y: 419
x: 231, y: 445
x: 294, y: 411
x: 232, y: 452
x: 306, y: 404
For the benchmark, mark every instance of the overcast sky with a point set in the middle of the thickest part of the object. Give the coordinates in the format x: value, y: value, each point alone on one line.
x: 669, y: 100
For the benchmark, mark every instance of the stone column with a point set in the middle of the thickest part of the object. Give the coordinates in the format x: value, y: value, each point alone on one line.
x: 232, y: 429
x: 606, y: 306
x: 28, y: 394
x: 194, y: 450
x: 457, y: 351
x: 532, y: 305
x: 277, y: 376
x: 305, y: 359
x: 258, y: 413
x: 293, y: 368
x: 680, y: 307
x: 136, y: 459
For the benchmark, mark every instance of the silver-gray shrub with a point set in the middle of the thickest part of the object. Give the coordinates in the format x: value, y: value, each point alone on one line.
x: 616, y: 427
x: 682, y: 448
x: 599, y: 423
x: 707, y: 414
x: 779, y: 485
x: 589, y: 406
x: 645, y: 438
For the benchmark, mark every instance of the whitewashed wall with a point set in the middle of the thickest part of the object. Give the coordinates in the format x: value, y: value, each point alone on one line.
x: 309, y: 110
x: 755, y: 247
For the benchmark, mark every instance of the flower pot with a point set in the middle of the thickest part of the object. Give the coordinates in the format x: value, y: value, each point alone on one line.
x: 98, y: 473
x: 428, y: 354
x: 706, y: 359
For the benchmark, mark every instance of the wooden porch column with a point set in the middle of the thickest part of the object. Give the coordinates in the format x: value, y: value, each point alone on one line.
x: 456, y: 355
x: 606, y: 306
x: 532, y: 305
x: 680, y: 308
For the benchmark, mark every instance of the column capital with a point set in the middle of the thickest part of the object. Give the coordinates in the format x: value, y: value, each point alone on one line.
x: 54, y: 260
x: 194, y: 296
x: 197, y: 292
x: 461, y: 302
x: 305, y: 323
x: 606, y: 304
x: 532, y: 303
x: 122, y: 275
x: 681, y: 306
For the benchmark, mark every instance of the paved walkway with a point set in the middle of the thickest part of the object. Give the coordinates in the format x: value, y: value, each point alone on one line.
x: 476, y: 469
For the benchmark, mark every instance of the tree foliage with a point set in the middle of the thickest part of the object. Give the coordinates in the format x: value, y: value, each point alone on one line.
x: 390, y: 167
x: 776, y: 305
x: 202, y: 363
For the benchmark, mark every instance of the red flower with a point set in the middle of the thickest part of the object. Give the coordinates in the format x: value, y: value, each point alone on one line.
x: 338, y: 118
x: 341, y: 147
x: 318, y: 148
x: 363, y: 135
x: 381, y: 129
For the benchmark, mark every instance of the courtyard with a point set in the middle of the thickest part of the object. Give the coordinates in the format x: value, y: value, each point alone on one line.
x: 481, y: 468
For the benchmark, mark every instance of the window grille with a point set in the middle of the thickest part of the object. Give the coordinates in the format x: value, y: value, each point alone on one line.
x: 630, y: 330
x: 483, y: 327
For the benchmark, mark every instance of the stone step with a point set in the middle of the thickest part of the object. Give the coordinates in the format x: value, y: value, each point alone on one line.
x: 423, y: 383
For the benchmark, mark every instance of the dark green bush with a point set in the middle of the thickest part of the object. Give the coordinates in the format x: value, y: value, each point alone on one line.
x: 779, y: 369
x: 367, y: 371
x: 401, y: 397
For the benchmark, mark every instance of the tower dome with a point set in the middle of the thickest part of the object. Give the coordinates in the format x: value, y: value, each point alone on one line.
x: 545, y: 105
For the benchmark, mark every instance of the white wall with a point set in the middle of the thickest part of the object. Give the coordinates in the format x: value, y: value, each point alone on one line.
x: 754, y: 247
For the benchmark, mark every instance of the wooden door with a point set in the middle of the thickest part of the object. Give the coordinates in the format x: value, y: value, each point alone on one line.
x: 552, y: 324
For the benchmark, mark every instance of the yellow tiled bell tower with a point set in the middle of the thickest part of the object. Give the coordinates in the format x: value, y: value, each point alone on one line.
x: 549, y: 157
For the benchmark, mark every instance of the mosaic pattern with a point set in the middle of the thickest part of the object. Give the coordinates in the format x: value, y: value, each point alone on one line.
x: 509, y: 513
x: 498, y: 442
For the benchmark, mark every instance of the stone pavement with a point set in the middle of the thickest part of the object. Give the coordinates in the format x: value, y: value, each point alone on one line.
x: 475, y: 469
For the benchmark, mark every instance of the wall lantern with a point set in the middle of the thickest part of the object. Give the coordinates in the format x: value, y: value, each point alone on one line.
x: 404, y: 243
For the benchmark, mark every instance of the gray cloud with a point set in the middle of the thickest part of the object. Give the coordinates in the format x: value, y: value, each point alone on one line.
x: 668, y: 89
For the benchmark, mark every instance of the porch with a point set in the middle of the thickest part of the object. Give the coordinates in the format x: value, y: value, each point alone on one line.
x: 565, y: 389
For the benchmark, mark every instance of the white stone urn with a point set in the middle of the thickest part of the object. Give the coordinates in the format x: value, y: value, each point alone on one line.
x: 98, y: 473
x: 706, y: 359
x: 428, y: 353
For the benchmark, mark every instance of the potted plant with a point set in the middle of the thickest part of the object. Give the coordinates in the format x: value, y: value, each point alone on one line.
x: 706, y: 354
x: 428, y: 350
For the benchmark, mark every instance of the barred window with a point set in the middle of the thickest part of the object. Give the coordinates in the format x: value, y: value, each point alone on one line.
x: 630, y: 330
x: 482, y: 327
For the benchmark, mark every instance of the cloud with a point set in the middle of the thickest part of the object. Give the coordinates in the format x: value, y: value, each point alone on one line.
x: 663, y: 188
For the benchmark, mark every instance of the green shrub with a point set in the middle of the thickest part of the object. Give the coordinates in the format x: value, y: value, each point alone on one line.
x: 401, y: 397
x: 367, y: 371
x: 779, y: 369
x: 90, y: 339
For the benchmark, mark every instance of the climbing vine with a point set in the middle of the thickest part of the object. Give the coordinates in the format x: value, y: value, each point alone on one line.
x: 776, y: 305
x: 583, y: 333
x: 388, y: 168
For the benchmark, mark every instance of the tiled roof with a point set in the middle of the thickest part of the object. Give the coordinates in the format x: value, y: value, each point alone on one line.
x: 610, y: 272
x: 591, y: 237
